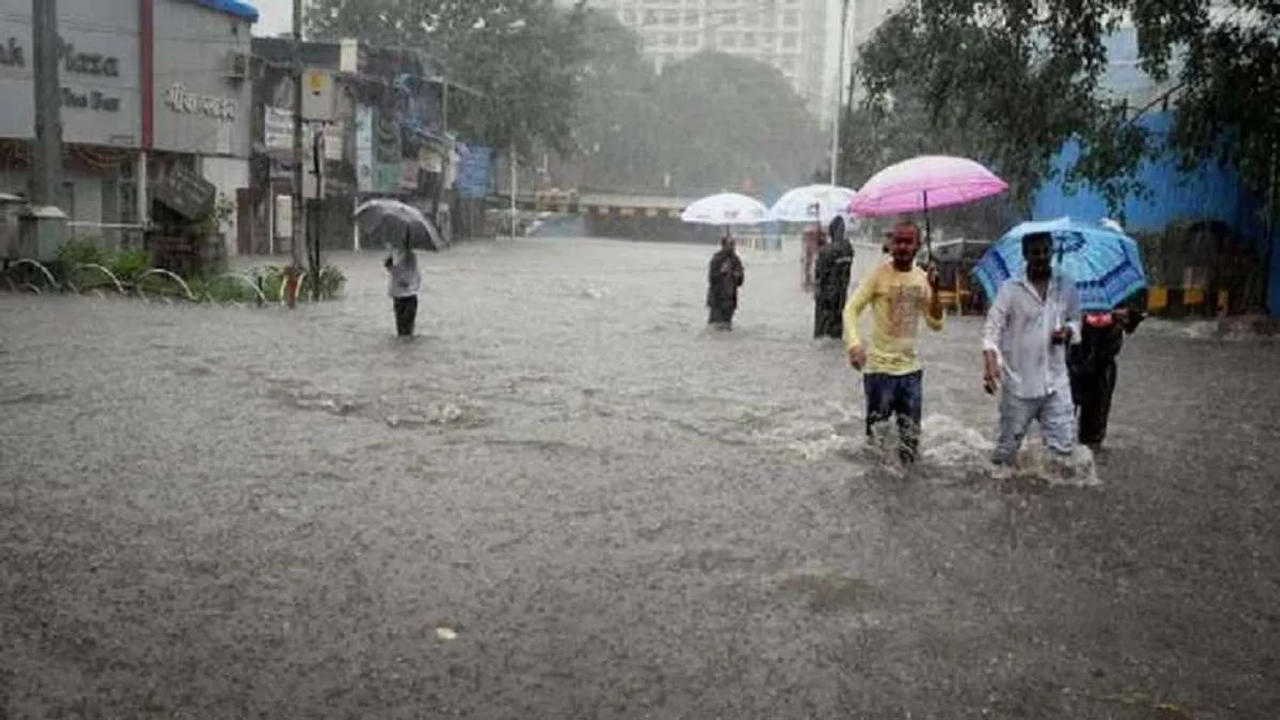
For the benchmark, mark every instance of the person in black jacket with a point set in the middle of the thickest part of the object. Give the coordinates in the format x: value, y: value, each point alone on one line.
x: 1092, y: 364
x: 724, y: 277
x: 831, y: 281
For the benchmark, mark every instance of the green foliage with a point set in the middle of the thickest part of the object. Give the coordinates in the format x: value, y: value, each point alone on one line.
x: 83, y: 252
x: 272, y: 279
x: 1010, y: 81
x: 124, y: 264
x: 525, y: 56
x: 127, y: 264
x: 709, y: 122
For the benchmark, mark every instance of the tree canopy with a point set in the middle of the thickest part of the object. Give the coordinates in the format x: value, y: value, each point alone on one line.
x: 711, y: 121
x: 525, y: 56
x: 1010, y: 81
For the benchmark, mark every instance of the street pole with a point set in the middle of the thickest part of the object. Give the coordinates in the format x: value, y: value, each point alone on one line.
x: 835, y: 130
x: 513, y: 190
x: 315, y: 206
x: 295, y: 245
x: 1268, y: 271
x: 46, y: 171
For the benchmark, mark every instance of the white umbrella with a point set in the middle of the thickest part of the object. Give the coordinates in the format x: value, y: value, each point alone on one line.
x: 398, y: 219
x: 812, y: 203
x: 726, y: 209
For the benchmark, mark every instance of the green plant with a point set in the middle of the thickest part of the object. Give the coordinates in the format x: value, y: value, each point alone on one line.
x: 272, y: 278
x: 222, y: 288
x: 83, y: 252
x: 128, y: 264
x: 331, y: 282
x: 271, y: 281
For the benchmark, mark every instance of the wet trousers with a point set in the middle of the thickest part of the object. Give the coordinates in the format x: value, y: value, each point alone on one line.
x: 406, y: 310
x: 828, y: 318
x: 721, y: 313
x: 900, y: 395
x: 1057, y: 420
x: 1092, y: 390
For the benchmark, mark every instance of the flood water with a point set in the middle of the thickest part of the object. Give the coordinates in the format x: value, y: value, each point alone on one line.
x: 567, y: 498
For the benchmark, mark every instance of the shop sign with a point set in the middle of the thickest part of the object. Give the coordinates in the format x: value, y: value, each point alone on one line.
x: 181, y: 100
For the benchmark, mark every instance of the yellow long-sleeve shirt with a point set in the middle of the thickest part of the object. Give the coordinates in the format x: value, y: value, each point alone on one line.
x: 897, y: 301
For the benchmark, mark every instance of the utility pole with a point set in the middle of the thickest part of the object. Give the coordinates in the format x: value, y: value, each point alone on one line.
x: 514, y: 180
x: 43, y: 227
x: 295, y: 244
x: 835, y: 131
x: 46, y: 172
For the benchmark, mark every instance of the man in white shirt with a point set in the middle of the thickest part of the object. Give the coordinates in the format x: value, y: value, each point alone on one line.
x: 1029, y: 326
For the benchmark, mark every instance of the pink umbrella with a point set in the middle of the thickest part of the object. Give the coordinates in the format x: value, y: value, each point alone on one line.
x: 927, y: 181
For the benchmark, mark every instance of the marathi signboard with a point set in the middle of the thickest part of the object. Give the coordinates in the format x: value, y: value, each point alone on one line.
x: 201, y: 101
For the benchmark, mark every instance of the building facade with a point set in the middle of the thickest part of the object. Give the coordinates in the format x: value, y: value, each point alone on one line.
x: 100, y: 72
x: 382, y: 122
x: 146, y: 85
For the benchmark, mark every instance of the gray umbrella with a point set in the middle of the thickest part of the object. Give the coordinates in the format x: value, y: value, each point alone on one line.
x: 392, y: 220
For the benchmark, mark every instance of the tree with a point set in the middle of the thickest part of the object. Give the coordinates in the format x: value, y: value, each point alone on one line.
x: 727, y: 118
x: 709, y: 122
x: 524, y: 56
x: 1019, y: 78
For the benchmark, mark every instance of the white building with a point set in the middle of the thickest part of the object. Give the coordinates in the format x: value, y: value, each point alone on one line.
x: 797, y: 37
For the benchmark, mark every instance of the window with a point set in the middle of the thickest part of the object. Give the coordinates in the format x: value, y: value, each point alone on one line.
x: 791, y: 18
x: 628, y: 17
x: 790, y: 41
x: 748, y: 40
x: 650, y: 17
x: 669, y: 39
x: 731, y: 18
x: 728, y: 40
x: 671, y: 17
x: 690, y: 40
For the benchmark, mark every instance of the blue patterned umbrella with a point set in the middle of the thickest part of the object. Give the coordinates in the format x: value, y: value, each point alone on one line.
x: 1105, y: 265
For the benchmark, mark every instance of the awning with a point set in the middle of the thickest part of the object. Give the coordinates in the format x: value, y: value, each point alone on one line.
x: 238, y: 8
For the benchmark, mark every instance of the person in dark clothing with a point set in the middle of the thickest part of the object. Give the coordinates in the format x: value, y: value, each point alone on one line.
x: 1092, y: 365
x: 831, y: 278
x: 724, y: 277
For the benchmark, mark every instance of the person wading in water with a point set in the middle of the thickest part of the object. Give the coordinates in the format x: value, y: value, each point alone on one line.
x: 899, y: 293
x: 831, y: 276
x: 403, y: 287
x: 724, y: 277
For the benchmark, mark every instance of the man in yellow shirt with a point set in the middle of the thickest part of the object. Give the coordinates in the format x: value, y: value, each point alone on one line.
x: 898, y: 292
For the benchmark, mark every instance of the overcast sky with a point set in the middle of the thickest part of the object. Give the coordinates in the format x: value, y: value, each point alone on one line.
x: 275, y: 16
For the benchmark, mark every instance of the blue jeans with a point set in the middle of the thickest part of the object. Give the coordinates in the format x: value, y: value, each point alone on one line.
x: 1056, y: 415
x: 901, y: 395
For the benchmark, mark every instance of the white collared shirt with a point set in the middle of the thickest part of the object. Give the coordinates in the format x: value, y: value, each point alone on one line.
x: 1018, y: 329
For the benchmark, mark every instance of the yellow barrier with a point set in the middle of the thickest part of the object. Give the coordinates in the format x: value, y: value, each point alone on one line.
x: 1157, y: 297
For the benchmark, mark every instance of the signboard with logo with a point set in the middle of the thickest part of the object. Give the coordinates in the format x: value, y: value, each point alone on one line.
x: 317, y: 95
x: 97, y: 64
